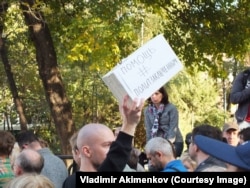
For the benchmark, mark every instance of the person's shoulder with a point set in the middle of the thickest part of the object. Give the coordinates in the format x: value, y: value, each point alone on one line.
x: 243, y: 74
x: 171, y: 107
x: 70, y: 181
x: 50, y: 156
x: 146, y: 108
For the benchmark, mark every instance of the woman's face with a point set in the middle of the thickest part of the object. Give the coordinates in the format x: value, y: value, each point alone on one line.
x: 156, y: 97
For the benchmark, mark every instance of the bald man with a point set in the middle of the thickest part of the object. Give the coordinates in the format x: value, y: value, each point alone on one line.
x: 100, y: 150
x: 28, y: 161
x: 94, y: 141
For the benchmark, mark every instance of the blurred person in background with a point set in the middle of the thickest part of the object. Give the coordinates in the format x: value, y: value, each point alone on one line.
x: 230, y: 133
x: 240, y: 95
x: 28, y: 161
x: 54, y: 168
x: 244, y: 135
x: 75, y: 153
x: 30, y: 181
x: 7, y: 141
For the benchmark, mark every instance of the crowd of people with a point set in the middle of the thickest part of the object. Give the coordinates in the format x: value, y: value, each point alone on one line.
x: 98, y: 148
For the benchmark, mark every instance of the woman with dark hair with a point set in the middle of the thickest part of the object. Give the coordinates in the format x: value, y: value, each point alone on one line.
x: 161, y: 119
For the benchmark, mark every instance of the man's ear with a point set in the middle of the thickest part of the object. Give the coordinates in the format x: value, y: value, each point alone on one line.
x: 86, y: 151
x: 24, y: 146
x: 18, y: 170
x: 196, y: 148
x: 158, y: 154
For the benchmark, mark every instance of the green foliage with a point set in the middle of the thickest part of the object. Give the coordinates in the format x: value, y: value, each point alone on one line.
x: 197, y: 98
x: 47, y: 134
x: 203, y: 33
x: 90, y: 37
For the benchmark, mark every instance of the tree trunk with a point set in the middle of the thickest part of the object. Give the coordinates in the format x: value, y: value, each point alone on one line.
x: 60, y: 106
x: 3, y: 51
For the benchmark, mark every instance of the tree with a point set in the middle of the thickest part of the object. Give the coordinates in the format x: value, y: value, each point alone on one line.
x: 60, y: 106
x: 88, y: 42
x: 7, y: 67
x: 205, y: 33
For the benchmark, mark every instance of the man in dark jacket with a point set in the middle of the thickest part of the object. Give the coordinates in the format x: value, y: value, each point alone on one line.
x: 240, y: 94
x: 100, y: 151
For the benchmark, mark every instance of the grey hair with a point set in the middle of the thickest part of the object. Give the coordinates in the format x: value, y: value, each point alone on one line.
x: 157, y: 144
x: 30, y: 161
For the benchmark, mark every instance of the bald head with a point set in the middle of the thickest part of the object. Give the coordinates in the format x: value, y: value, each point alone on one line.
x: 93, y: 142
x: 29, y: 161
x: 90, y: 133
